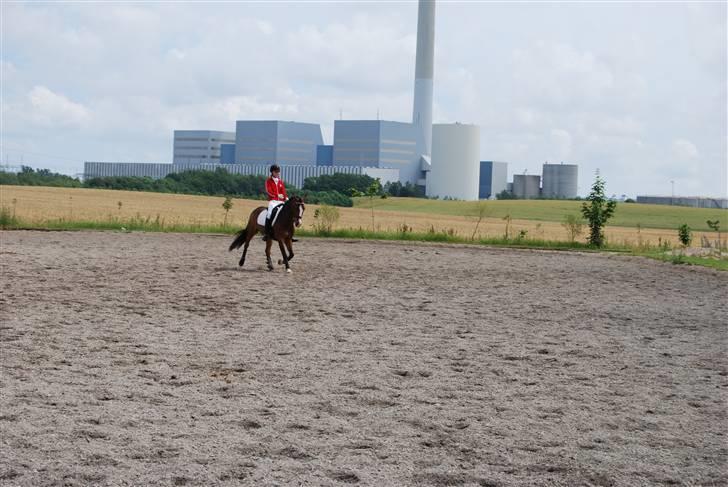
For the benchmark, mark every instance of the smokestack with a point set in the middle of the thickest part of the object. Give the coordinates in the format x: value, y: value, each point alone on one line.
x: 422, y: 106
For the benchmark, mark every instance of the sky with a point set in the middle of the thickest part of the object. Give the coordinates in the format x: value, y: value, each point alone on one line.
x: 636, y: 91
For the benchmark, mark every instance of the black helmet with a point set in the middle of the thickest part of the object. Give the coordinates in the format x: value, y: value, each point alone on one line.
x: 274, y: 168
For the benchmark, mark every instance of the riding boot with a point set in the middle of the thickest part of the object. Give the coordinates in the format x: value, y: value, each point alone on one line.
x: 268, y: 229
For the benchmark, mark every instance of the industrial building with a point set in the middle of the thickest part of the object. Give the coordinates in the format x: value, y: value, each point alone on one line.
x: 693, y: 201
x: 455, y: 162
x: 269, y: 141
x: 493, y: 179
x: 199, y: 146
x: 559, y: 181
x: 294, y: 175
x: 526, y: 186
x: 378, y: 143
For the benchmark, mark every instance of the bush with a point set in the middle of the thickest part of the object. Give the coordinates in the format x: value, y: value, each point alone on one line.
x: 407, y: 190
x: 325, y: 218
x: 339, y: 182
x: 574, y: 226
x: 332, y: 198
x: 41, y: 177
x: 685, y: 234
x: 506, y: 195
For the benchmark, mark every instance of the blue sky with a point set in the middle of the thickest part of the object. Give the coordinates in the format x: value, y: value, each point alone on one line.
x: 637, y: 90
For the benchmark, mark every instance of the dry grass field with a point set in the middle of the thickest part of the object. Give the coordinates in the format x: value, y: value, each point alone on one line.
x: 39, y: 204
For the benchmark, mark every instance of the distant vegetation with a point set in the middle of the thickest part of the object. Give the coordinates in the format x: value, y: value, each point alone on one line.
x: 331, y: 190
x: 42, y: 177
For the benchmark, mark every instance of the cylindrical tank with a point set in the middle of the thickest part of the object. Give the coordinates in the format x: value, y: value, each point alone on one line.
x: 455, y: 162
x: 526, y: 187
x: 559, y: 180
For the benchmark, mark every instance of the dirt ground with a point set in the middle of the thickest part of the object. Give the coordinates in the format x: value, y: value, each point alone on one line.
x: 140, y: 359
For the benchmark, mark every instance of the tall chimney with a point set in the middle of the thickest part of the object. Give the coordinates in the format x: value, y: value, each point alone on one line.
x: 422, y: 106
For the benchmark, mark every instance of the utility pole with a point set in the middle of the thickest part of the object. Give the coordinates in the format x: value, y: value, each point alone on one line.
x: 672, y: 197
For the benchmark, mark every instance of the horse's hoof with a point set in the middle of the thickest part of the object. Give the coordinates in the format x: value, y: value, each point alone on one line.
x: 289, y: 271
x: 280, y: 261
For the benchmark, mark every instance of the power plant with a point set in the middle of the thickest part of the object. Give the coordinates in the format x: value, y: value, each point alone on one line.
x: 444, y: 160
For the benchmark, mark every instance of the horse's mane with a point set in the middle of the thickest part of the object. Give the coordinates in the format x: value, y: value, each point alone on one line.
x: 285, y: 211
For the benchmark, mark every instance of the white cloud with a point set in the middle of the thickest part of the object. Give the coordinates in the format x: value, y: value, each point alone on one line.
x: 684, y: 149
x: 52, y: 109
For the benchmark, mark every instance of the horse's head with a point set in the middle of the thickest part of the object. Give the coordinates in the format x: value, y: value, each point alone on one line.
x: 298, y: 208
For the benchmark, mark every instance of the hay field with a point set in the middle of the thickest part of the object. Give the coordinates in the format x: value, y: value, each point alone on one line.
x: 39, y: 204
x: 627, y: 215
x: 153, y: 359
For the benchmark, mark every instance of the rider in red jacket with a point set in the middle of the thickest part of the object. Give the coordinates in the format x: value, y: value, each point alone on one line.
x: 276, y: 195
x: 274, y: 185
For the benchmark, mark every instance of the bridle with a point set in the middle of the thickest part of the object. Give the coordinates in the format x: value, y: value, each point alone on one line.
x: 301, y: 207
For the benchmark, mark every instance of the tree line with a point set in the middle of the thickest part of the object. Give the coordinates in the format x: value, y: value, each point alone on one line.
x: 334, y: 189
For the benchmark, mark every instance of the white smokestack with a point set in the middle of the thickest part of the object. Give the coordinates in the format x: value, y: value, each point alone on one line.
x: 422, y: 107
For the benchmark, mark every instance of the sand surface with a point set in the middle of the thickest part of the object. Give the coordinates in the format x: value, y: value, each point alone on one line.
x: 140, y: 359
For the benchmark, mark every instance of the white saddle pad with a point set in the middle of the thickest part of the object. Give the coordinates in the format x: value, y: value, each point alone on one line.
x: 264, y: 214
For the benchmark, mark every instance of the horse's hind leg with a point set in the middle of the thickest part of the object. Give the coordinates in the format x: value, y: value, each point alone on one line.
x: 248, y: 238
x: 268, y: 244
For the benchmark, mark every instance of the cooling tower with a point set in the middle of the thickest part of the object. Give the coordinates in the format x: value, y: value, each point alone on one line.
x: 422, y: 106
x: 455, y: 161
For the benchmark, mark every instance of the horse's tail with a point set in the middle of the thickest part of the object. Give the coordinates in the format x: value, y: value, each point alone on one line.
x: 242, y: 236
x: 239, y: 239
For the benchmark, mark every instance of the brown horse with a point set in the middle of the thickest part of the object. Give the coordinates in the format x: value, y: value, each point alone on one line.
x: 289, y: 217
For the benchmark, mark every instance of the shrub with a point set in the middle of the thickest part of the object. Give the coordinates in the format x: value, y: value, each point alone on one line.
x: 574, y: 226
x: 325, y: 217
x: 685, y: 234
x: 597, y: 210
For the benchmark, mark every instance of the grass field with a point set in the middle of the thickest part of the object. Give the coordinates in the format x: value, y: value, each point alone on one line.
x: 540, y: 220
x: 627, y: 214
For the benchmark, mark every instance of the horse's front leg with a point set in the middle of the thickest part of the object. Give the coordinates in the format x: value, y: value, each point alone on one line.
x: 285, y: 258
x: 289, y: 244
x: 268, y: 244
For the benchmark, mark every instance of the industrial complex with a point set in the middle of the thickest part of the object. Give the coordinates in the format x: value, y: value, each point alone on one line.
x: 444, y: 159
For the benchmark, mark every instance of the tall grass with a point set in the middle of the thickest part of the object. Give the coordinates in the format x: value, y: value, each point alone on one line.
x: 8, y: 218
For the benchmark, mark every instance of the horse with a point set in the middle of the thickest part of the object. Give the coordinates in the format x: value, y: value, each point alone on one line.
x: 289, y: 217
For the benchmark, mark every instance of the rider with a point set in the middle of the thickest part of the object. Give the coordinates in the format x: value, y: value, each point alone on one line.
x: 276, y: 194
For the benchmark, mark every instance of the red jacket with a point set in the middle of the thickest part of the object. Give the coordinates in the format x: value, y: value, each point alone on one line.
x: 275, y: 192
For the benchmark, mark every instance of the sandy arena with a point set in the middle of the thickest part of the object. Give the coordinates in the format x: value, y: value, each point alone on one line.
x: 153, y: 359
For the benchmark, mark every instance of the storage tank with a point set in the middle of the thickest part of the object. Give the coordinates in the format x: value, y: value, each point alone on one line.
x: 526, y: 186
x: 559, y: 180
x: 455, y: 162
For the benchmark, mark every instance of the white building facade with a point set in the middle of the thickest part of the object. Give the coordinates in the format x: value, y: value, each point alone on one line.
x: 199, y: 146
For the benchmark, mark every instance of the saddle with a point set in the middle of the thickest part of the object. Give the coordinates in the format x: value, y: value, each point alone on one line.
x: 270, y: 219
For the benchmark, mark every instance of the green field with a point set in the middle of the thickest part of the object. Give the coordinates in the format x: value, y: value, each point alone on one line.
x: 627, y: 214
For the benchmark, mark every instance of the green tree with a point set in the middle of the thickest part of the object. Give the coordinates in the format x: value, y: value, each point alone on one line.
x: 685, y: 234
x: 597, y: 210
